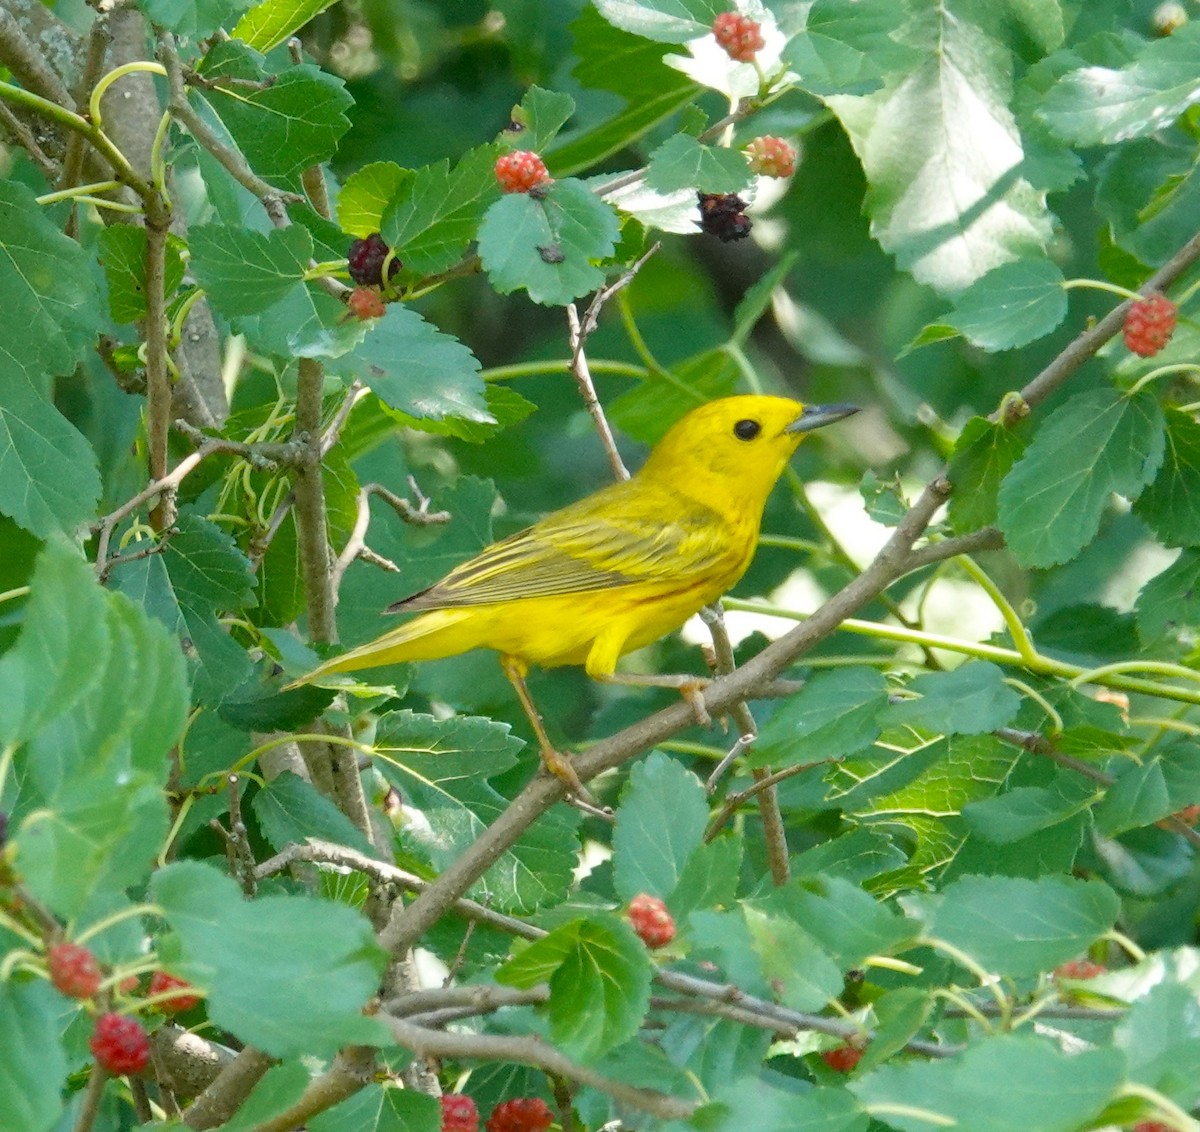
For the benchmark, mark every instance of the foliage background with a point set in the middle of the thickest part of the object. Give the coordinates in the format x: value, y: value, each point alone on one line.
x: 970, y: 805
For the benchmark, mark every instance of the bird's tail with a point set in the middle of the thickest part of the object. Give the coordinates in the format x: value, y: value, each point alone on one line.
x: 428, y: 637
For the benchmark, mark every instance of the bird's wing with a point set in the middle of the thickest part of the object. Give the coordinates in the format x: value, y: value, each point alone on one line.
x: 599, y: 543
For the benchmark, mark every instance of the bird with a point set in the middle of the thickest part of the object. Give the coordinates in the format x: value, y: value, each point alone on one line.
x: 615, y: 570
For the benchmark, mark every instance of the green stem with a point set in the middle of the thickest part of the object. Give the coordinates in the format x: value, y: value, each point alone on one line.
x: 1016, y: 629
x: 98, y: 91
x: 1162, y: 371
x: 1110, y: 676
x: 534, y: 369
x: 78, y: 191
x: 1101, y: 285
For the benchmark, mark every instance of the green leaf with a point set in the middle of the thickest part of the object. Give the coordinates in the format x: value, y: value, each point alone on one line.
x: 1097, y: 443
x: 381, y: 1109
x: 1026, y: 810
x: 1012, y: 305
x: 883, y: 499
x: 440, y: 766
x: 835, y: 711
x: 288, y: 126
x: 1170, y: 601
x: 47, y: 292
x: 366, y: 194
x: 1170, y: 506
x: 709, y: 878
x: 434, y: 214
x: 279, y: 1089
x: 505, y: 406
x: 792, y: 960
x: 969, y: 700
x: 541, y: 114
x: 193, y: 19
x: 1160, y: 1037
x: 1017, y: 927
x: 848, y: 48
x: 751, y: 1100
x: 547, y: 246
x: 994, y: 1086
x: 647, y: 410
x: 659, y: 825
x: 983, y: 455
x: 599, y: 977
x: 123, y: 256
x: 290, y: 811
x: 941, y: 151
x: 681, y: 162
x: 1145, y: 793
x: 209, y: 575
x: 63, y: 646
x: 269, y: 23
x: 846, y: 922
x: 34, y: 1064
x: 48, y: 479
x: 1097, y: 105
x: 412, y: 366
x: 665, y: 21
x: 251, y: 957
x: 245, y: 272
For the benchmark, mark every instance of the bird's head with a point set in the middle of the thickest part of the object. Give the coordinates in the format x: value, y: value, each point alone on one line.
x: 732, y: 450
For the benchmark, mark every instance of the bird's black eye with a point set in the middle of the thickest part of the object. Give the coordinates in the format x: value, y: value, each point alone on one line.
x: 747, y: 430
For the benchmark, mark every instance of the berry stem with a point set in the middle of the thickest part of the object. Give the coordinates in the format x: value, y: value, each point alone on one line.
x: 1162, y: 371
x: 108, y: 921
x: 1101, y: 285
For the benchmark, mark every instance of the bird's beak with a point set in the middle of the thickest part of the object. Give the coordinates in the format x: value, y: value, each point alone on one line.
x: 818, y: 416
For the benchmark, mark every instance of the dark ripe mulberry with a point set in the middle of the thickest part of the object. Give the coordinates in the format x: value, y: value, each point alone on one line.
x: 724, y: 215
x: 365, y: 260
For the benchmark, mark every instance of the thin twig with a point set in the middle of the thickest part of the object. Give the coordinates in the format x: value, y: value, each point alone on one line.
x: 735, y: 801
x: 99, y: 39
x: 533, y: 1052
x: 50, y: 169
x: 158, y: 376
x: 92, y: 1097
x: 354, y: 394
x: 273, y: 200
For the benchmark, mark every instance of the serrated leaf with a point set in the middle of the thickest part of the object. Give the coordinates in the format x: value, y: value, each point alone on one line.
x: 47, y: 292
x: 1170, y: 601
x: 1067, y: 1090
x: 547, y: 246
x: 123, y: 257
x: 1170, y: 506
x: 1160, y: 1037
x: 505, y: 406
x: 288, y: 126
x: 62, y: 648
x: 245, y: 272
x: 599, y: 976
x: 434, y: 214
x: 366, y: 194
x: 1146, y: 793
x: 290, y: 811
x: 791, y: 959
x: 381, y: 1109
x: 1098, y: 443
x: 1098, y: 105
x: 1012, y: 305
x: 665, y: 21
x: 883, y: 499
x: 193, y: 19
x: 848, y: 49
x: 834, y: 713
x: 848, y: 923
x: 681, y: 162
x: 968, y: 700
x: 34, y: 1062
x: 659, y: 825
x: 412, y: 366
x: 1018, y: 927
x: 1026, y: 810
x: 778, y: 1109
x: 49, y: 483
x: 941, y: 148
x: 268, y: 24
x: 250, y: 957
x: 540, y: 114
x: 983, y: 455
x: 709, y: 878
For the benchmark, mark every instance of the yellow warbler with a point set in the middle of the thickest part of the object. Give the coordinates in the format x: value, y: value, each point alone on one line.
x: 618, y: 569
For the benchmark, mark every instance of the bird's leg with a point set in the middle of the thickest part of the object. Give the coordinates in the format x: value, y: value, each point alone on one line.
x: 554, y: 761
x: 691, y: 688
